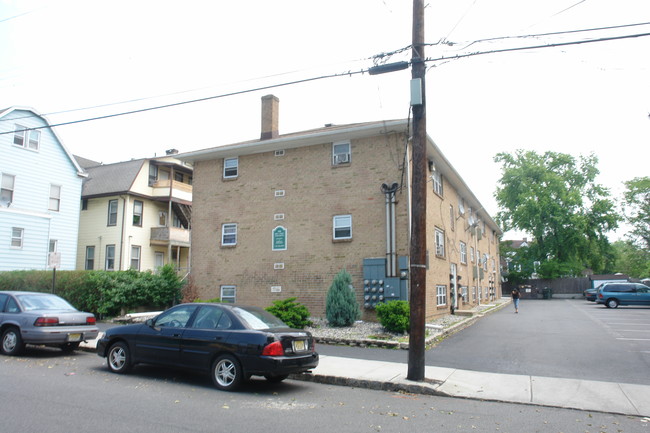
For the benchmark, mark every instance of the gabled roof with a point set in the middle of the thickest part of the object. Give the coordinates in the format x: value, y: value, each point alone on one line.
x: 110, y: 179
x: 6, y: 111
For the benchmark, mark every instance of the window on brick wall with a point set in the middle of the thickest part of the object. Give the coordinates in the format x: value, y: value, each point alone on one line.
x: 230, y: 168
x: 463, y: 253
x: 440, y: 242
x: 441, y: 295
x: 229, y: 234
x: 341, y: 153
x: 342, y: 227
x: 228, y: 294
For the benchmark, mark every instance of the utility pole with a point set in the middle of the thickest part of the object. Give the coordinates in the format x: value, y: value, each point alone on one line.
x: 417, y: 296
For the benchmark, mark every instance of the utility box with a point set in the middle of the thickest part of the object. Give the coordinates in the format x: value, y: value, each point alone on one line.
x: 377, y: 287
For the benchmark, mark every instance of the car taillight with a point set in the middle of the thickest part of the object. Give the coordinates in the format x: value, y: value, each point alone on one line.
x: 600, y: 295
x: 46, y: 321
x: 91, y: 320
x: 273, y: 349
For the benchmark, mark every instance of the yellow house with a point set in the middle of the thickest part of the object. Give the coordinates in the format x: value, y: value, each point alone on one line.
x: 136, y: 214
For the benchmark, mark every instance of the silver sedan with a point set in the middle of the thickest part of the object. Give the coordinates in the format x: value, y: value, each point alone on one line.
x: 42, y: 319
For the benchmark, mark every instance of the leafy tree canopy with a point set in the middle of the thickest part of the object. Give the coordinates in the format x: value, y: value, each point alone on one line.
x: 554, y: 197
x: 636, y: 206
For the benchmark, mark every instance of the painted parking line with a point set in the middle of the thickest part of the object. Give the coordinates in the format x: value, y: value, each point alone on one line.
x: 634, y: 339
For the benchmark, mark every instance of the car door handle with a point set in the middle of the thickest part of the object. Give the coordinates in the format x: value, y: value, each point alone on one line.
x: 218, y: 338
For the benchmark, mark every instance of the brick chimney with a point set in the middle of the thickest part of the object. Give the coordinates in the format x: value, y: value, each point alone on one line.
x: 270, y: 116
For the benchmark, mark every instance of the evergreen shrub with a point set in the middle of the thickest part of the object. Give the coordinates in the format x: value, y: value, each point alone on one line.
x: 341, y: 307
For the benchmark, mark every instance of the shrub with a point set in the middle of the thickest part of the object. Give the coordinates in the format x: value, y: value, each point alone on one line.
x: 293, y: 313
x: 394, y: 316
x: 341, y: 307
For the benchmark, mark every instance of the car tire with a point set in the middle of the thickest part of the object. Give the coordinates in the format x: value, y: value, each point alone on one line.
x: 12, y: 342
x: 70, y: 347
x: 276, y: 379
x: 612, y: 303
x: 227, y: 373
x: 119, y: 358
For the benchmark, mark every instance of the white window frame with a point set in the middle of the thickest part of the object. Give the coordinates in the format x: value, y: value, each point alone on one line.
x: 228, y: 294
x: 138, y: 212
x: 17, y: 237
x: 109, y: 221
x: 463, y: 252
x: 109, y: 262
x: 436, y: 178
x: 229, y: 234
x: 136, y: 252
x: 53, y: 246
x: 55, y: 198
x: 441, y: 295
x: 279, y: 152
x: 27, y: 138
x: 230, y: 165
x: 341, y: 223
x: 341, y: 153
x: 90, y: 258
x: 461, y: 206
x: 7, y: 188
x: 440, y: 242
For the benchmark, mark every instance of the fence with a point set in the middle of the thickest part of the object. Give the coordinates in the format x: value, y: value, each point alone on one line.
x: 560, y: 287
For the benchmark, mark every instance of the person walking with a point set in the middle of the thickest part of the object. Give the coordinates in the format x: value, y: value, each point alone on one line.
x: 515, y: 299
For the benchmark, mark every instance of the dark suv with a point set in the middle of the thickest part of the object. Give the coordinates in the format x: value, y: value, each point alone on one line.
x: 615, y: 294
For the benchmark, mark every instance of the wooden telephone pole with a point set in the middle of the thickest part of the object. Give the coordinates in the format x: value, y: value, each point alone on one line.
x: 418, y: 253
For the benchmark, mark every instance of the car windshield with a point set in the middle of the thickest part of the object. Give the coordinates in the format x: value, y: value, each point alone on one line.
x: 258, y: 318
x: 43, y: 302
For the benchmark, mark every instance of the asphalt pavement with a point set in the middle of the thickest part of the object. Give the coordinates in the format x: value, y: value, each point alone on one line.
x: 608, y: 397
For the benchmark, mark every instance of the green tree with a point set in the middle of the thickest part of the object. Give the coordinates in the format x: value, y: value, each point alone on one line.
x: 554, y: 197
x: 631, y: 259
x: 636, y: 207
x: 341, y: 307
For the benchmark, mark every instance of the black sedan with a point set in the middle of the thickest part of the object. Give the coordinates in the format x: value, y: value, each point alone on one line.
x: 232, y: 342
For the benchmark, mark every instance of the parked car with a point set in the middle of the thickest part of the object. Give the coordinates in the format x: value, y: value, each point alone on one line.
x: 43, y: 319
x: 590, y: 294
x: 615, y: 294
x: 231, y: 342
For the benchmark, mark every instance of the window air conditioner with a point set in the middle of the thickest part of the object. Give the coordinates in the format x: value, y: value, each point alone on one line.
x: 341, y: 158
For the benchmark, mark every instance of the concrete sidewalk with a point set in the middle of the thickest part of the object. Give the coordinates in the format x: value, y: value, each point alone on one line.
x: 609, y: 397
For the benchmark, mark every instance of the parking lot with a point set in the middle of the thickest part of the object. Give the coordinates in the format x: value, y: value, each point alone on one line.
x: 566, y: 338
x: 630, y: 325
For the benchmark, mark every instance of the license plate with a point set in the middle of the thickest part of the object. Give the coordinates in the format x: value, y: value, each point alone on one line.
x: 299, y: 346
x: 74, y: 337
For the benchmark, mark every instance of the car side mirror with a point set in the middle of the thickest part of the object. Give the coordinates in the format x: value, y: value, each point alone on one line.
x: 149, y: 323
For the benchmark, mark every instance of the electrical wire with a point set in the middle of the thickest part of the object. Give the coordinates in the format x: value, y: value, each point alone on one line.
x: 176, y: 104
x: 348, y: 73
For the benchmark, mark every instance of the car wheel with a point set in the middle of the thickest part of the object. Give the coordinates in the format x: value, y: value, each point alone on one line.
x: 69, y: 347
x: 227, y: 373
x: 119, y: 358
x: 612, y: 303
x: 12, y: 341
x: 276, y: 379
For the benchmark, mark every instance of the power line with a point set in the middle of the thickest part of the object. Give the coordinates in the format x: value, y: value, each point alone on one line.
x: 175, y: 104
x: 533, y: 47
x: 322, y: 77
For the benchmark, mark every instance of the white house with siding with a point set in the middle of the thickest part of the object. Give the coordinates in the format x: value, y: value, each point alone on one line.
x: 40, y: 194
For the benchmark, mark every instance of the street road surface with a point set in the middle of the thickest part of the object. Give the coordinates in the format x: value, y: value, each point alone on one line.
x: 46, y: 390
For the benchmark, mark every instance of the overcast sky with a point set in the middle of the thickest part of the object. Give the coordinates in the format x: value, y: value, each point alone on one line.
x: 62, y: 56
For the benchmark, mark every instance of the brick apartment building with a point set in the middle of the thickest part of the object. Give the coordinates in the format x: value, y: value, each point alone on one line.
x: 278, y: 217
